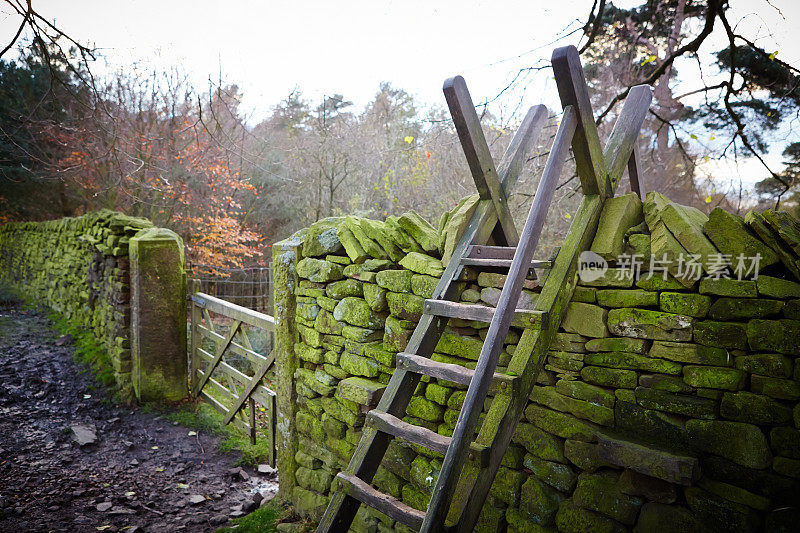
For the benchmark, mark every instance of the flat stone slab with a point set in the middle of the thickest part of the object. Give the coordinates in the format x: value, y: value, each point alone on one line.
x: 681, y: 469
x: 83, y: 434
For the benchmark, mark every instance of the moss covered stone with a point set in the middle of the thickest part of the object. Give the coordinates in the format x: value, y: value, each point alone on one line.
x: 395, y: 280
x: 655, y: 282
x: 745, y: 406
x: 782, y: 389
x: 317, y: 480
x: 357, y: 334
x: 357, y: 312
x: 714, y: 377
x: 306, y: 460
x: 765, y: 364
x: 326, y: 323
x: 423, y: 285
x: 774, y: 335
x: 609, y: 377
x: 621, y: 278
x: 632, y: 361
x: 507, y: 485
x: 584, y: 294
x: 358, y: 365
x: 586, y: 392
x: 319, y: 270
x: 360, y: 390
x: 571, y: 518
x: 730, y: 335
x: 397, y: 333
x: 375, y: 297
x: 619, y: 213
x: 420, y: 230
x: 460, y: 346
x: 720, y: 514
x: 585, y: 319
x: 376, y: 231
x: 739, y: 308
x: 322, y: 238
x: 310, y: 426
x: 777, y: 288
x: 664, y: 246
x: 437, y: 394
x: 728, y: 287
x: 425, y: 409
x: 405, y: 305
x: 343, y: 288
x: 648, y: 460
x: 549, y: 397
x: 731, y: 236
x: 540, y: 501
x: 618, y: 344
x: 689, y: 304
x: 683, y: 352
x: 666, y: 519
x: 600, y: 492
x: 665, y: 383
x: 742, y: 443
x: 559, y: 476
x: 668, y: 402
x: 422, y: 264
x: 561, y: 424
x: 539, y: 443
x: 584, y: 455
x: 309, y: 503
x: 627, y: 298
x: 785, y: 441
x: 648, y: 324
x: 307, y: 353
x: 639, y: 245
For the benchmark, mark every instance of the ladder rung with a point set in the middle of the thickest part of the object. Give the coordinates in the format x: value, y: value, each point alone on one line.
x: 523, y: 318
x: 502, y: 263
x: 388, y: 505
x: 451, y: 372
x: 491, y: 252
x: 421, y: 436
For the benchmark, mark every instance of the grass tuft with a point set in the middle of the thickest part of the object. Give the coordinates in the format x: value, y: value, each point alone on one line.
x: 87, y: 350
x: 201, y: 416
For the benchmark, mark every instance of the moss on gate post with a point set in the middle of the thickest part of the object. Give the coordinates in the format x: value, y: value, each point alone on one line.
x: 158, y: 316
x: 285, y: 255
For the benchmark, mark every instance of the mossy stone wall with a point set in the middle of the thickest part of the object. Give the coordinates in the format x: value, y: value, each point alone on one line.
x: 666, y: 403
x: 80, y: 268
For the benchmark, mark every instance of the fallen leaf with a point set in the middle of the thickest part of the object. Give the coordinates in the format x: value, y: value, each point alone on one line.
x: 192, y: 433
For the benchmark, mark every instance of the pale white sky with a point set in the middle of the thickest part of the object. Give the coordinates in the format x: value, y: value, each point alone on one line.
x: 270, y: 47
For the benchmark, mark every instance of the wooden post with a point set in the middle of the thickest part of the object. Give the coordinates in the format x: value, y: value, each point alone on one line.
x: 196, y: 317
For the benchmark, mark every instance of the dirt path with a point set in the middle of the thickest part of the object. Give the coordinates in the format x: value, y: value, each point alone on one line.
x: 143, y: 474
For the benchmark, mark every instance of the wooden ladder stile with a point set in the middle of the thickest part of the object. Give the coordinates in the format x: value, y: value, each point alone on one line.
x: 470, y: 464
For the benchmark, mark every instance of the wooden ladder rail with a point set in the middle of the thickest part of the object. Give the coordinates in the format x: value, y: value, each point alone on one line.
x: 482, y: 225
x: 528, y: 359
x: 464, y: 431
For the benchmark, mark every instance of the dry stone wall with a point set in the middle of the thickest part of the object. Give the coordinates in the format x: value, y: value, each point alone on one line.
x: 668, y: 400
x: 79, y: 267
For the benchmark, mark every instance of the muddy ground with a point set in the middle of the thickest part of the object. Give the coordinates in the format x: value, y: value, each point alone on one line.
x: 143, y: 473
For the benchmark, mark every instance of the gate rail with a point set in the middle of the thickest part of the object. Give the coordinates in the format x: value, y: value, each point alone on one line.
x: 211, y: 372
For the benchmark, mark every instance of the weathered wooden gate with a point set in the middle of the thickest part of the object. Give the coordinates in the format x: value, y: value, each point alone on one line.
x: 227, y: 370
